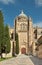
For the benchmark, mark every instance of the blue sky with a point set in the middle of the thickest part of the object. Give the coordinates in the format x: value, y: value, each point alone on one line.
x: 12, y: 8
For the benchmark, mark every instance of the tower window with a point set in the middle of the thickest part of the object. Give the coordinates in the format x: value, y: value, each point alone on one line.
x: 35, y: 33
x: 23, y: 27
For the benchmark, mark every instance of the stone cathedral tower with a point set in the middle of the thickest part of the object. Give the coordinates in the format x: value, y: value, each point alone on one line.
x: 29, y: 37
x: 24, y: 30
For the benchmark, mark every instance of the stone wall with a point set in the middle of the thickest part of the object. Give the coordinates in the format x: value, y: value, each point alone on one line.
x: 39, y: 53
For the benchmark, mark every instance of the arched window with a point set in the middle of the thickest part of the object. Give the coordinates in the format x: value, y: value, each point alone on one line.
x: 23, y: 27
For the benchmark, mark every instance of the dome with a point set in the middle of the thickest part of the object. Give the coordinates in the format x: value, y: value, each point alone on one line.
x: 22, y: 14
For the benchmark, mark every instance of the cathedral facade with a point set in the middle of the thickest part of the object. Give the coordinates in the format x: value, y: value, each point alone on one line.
x: 24, y: 31
x: 28, y: 35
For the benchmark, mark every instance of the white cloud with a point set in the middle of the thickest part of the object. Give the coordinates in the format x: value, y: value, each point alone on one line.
x: 39, y: 24
x: 7, y: 1
x: 38, y: 2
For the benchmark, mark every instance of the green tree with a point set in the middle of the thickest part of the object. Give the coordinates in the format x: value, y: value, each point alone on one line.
x: 17, y: 43
x: 4, y: 36
x: 7, y: 40
x: 1, y: 32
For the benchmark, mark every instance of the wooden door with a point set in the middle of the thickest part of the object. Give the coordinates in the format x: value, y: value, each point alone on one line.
x: 23, y: 50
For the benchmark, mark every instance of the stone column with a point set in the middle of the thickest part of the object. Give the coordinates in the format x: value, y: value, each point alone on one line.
x: 34, y: 52
x: 30, y: 34
x: 14, y: 47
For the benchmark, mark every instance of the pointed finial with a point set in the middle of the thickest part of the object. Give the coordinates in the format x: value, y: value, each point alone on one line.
x: 22, y: 12
x: 30, y: 18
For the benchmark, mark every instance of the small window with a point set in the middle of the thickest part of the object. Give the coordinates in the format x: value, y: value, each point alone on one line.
x: 41, y: 32
x: 35, y: 33
x: 11, y: 36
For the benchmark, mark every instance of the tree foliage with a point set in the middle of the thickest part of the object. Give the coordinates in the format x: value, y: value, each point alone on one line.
x: 7, y: 39
x: 1, y: 31
x: 17, y: 43
x: 4, y: 36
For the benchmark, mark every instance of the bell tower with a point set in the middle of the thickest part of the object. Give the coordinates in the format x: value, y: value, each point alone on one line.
x: 24, y: 34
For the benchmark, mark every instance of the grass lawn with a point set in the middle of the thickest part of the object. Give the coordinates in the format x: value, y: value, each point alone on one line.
x: 2, y: 59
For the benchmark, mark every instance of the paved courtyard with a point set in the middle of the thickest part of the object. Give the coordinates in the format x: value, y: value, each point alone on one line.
x: 22, y: 60
x: 36, y: 60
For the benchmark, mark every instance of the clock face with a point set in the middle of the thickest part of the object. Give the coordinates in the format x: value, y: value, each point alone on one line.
x: 23, y: 27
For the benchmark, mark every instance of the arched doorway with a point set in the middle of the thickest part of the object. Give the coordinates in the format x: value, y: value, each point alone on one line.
x: 23, y: 50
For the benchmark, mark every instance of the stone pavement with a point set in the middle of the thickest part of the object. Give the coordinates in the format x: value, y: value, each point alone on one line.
x: 22, y: 60
x: 19, y: 60
x: 36, y: 60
